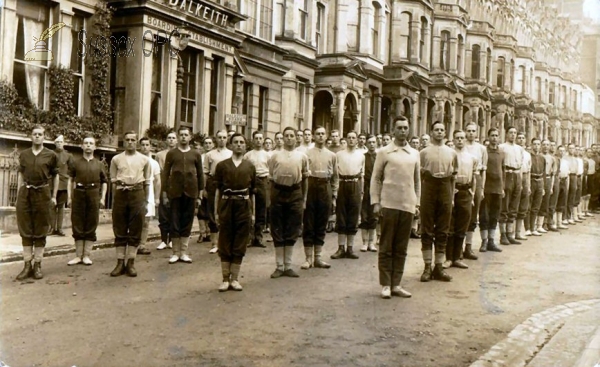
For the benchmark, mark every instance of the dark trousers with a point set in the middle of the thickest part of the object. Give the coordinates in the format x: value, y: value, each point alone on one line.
x: 182, y: 216
x: 579, y: 190
x: 393, y: 245
x: 537, y: 187
x: 459, y: 223
x: 545, y: 205
x: 235, y: 223
x: 524, y: 200
x: 316, y: 214
x: 57, y: 213
x: 164, y: 213
x: 563, y: 196
x: 476, y: 202
x: 128, y: 216
x: 85, y: 212
x: 33, y: 214
x: 489, y: 212
x: 286, y: 215
x: 347, y: 208
x: 512, y: 196
x: 211, y: 189
x: 436, y: 212
x: 572, y: 192
x: 260, y: 205
x: 554, y: 198
x: 594, y: 181
x: 368, y: 220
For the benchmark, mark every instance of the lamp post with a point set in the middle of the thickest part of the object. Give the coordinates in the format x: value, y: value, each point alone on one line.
x: 178, y: 40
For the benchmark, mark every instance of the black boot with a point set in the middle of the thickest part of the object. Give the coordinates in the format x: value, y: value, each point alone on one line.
x: 130, y: 268
x: 491, y: 246
x: 426, y: 276
x: 439, y: 274
x: 119, y: 269
x: 339, y: 254
x: 468, y: 253
x: 26, y: 272
x: 350, y: 254
x: 484, y: 245
x: 37, y: 270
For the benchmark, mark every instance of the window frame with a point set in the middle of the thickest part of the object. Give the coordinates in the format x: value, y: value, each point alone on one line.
x: 304, y: 20
x: 476, y: 61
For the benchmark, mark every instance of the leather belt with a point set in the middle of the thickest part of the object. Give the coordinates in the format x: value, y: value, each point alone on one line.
x: 34, y: 187
x: 235, y: 197
x: 130, y: 187
x: 462, y: 186
x: 509, y: 168
x: 262, y: 177
x: 79, y: 185
x: 537, y: 175
x: 319, y: 179
x: 286, y: 188
x: 348, y: 179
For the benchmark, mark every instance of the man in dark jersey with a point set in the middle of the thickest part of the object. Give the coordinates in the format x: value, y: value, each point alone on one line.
x: 34, y: 199
x: 235, y: 178
x: 89, y: 190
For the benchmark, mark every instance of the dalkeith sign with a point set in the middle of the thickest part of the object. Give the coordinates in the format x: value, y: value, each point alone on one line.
x: 235, y: 119
x: 201, y: 10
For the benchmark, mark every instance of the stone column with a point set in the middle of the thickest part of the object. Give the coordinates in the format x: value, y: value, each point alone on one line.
x: 415, y: 39
x: 226, y: 96
x: 376, y: 123
x: 137, y: 87
x: 435, y: 61
x: 423, y: 114
x: 308, y: 114
x: 482, y: 65
x: 365, y: 10
x: 467, y: 61
x: 340, y: 110
x: 507, y: 81
x: 206, y: 107
x: 488, y: 125
x: 453, y: 51
x: 427, y: 53
x: 365, y: 123
x: 340, y: 29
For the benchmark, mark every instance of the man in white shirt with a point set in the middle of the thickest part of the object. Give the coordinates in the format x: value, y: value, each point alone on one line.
x: 153, y: 198
x: 524, y: 201
x: 260, y: 159
x: 513, y: 184
x: 211, y: 159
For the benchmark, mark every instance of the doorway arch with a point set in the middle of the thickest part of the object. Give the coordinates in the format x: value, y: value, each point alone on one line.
x: 322, y: 103
x: 386, y: 107
x: 349, y: 113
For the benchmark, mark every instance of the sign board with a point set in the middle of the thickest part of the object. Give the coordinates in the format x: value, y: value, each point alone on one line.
x: 235, y: 119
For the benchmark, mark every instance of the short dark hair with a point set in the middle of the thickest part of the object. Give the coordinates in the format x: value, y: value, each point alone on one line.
x: 352, y: 132
x: 520, y: 133
x: 256, y: 133
x: 414, y: 137
x: 182, y: 128
x: 208, y: 138
x: 38, y: 127
x: 279, y: 133
x: 130, y: 132
x: 435, y: 123
x: 471, y: 123
x: 88, y: 137
x: 400, y: 118
x: 334, y: 131
x: 307, y: 129
x: 221, y: 131
x: 362, y: 134
x: 236, y: 134
x: 491, y: 130
x: 269, y: 139
x: 287, y: 129
x: 511, y: 127
x: 534, y: 139
x: 370, y: 136
x: 144, y: 138
x: 319, y: 127
x: 457, y: 132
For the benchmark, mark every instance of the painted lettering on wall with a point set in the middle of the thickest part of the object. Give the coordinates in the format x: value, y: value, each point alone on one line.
x: 201, y: 11
x: 195, y: 37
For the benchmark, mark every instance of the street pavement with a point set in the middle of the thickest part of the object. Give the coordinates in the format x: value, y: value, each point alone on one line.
x: 534, y: 304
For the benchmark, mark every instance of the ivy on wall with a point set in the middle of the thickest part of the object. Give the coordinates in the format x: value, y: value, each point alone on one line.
x: 17, y: 114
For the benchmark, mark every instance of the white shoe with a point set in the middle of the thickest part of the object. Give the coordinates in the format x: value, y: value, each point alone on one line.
x: 542, y: 230
x: 186, y: 259
x: 536, y: 233
x: 75, y: 261
x: 170, y: 245
x: 447, y: 264
x: 86, y: 260
x: 224, y: 287
x: 173, y: 259
x: 162, y: 246
x: 571, y: 222
x: 364, y: 248
x: 386, y: 292
x: 306, y: 265
x: 372, y: 248
x: 528, y: 233
x: 213, y: 250
x: 400, y: 292
x: 235, y: 285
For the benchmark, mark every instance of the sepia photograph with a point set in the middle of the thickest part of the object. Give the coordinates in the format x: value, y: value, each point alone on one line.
x: 292, y: 183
